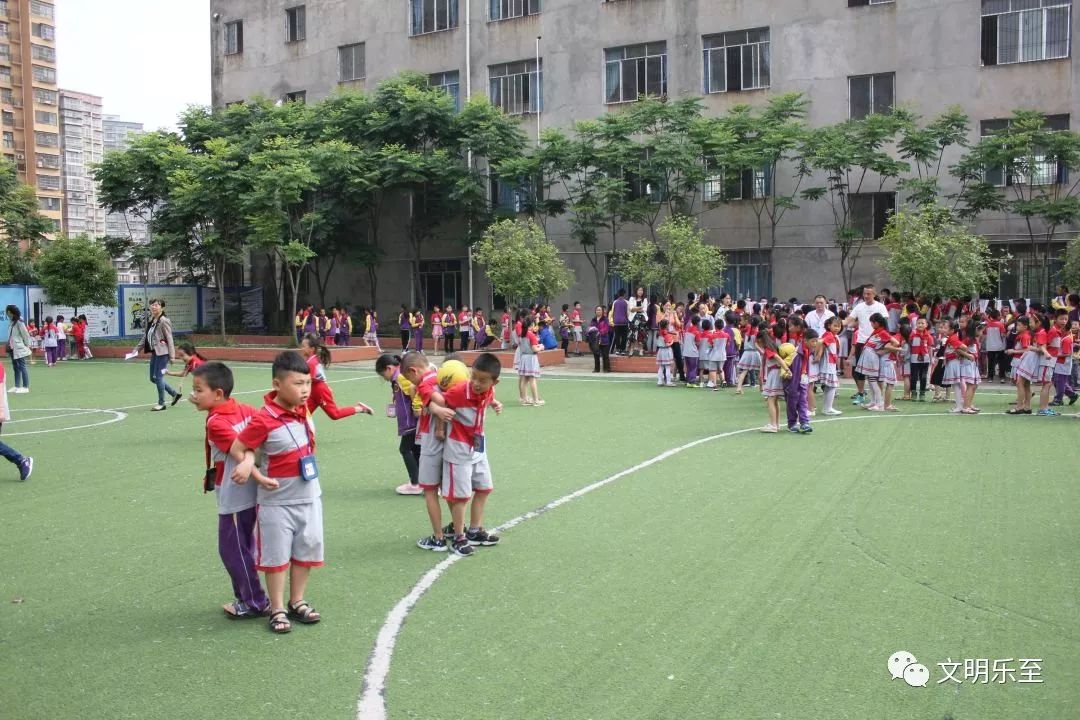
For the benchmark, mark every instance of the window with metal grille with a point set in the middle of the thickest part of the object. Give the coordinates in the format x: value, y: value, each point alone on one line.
x: 42, y: 9
x: 5, y: 73
x: 234, y: 37
x: 737, y: 61
x: 295, y: 23
x: 870, y: 212
x: 48, y: 203
x: 45, y: 97
x: 9, y: 140
x: 45, y: 74
x: 428, y: 16
x: 871, y: 94
x: 511, y: 197
x: 299, y: 96
x: 506, y: 9
x: 351, y: 62
x: 5, y: 51
x: 749, y: 184
x: 43, y: 52
x: 48, y: 182
x: 450, y: 83
x: 1042, y: 170
x: 43, y: 31
x: 42, y: 117
x: 45, y: 160
x: 635, y: 70
x: 859, y: 3
x: 517, y: 87
x: 1015, y: 31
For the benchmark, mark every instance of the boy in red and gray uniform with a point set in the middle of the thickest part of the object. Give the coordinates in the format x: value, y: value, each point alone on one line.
x: 418, y: 370
x: 289, y: 518
x: 466, y: 474
x: 211, y: 392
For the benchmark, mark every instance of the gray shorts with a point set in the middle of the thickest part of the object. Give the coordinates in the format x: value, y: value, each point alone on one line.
x: 577, y: 334
x: 431, y: 471
x: 289, y: 534
x: 461, y: 480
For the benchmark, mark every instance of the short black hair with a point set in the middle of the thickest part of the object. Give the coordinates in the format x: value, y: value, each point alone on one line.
x: 488, y: 363
x: 290, y: 361
x: 387, y: 360
x: 217, y: 376
x: 810, y: 334
x: 414, y: 360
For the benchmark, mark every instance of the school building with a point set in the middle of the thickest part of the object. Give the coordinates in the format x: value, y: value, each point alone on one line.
x: 553, y: 62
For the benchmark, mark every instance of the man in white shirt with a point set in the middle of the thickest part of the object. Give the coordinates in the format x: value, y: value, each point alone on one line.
x: 816, y: 318
x: 859, y: 318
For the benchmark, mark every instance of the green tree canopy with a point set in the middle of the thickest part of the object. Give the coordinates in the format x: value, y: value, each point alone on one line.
x: 77, y: 271
x: 679, y: 258
x: 521, y: 263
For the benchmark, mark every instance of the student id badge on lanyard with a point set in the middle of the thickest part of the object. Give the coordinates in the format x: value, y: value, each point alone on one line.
x: 309, y: 466
x: 478, y: 435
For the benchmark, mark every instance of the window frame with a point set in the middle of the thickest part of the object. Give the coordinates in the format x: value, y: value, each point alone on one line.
x: 756, y: 51
x: 991, y: 30
x: 876, y: 231
x: 39, y: 31
x: 36, y: 4
x: 445, y: 86
x: 872, y: 99
x: 351, y: 49
x: 418, y: 16
x: 533, y: 69
x: 46, y: 72
x: 299, y: 96
x: 234, y: 41
x: 1057, y: 176
x: 639, y: 72
x: 296, y: 24
x: 528, y: 8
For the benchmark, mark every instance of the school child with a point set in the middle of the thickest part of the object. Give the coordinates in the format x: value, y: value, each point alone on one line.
x: 289, y: 519
x: 416, y: 368
x: 529, y: 365
x: 772, y: 384
x: 35, y: 340
x: 416, y: 323
x: 691, y: 330
x: 298, y: 323
x: 335, y: 326
x: 401, y: 408
x: 479, y: 323
x: 489, y: 336
x: 888, y: 372
x: 1036, y: 365
x: 405, y: 325
x: 797, y: 330
x: 937, y: 368
x: 317, y: 357
x: 1062, y: 371
x: 870, y: 362
x: 464, y: 321
x: 827, y: 356
x: 324, y: 326
x: 345, y: 328
x: 903, y: 356
x: 84, y: 346
x: 449, y: 324
x: 731, y: 350
x: 466, y: 473
x: 665, y: 359
x: 994, y: 343
x: 920, y: 348
x: 969, y: 365
x: 576, y: 326
x: 750, y: 358
x: 211, y: 393
x: 706, y: 369
x: 371, y: 328
x: 192, y: 360
x: 25, y: 463
x: 1018, y: 348
x: 505, y: 325
x: 797, y: 385
x: 565, y: 327
x: 49, y: 341
x: 61, y: 338
x: 845, y: 342
x: 436, y: 327
x: 958, y: 370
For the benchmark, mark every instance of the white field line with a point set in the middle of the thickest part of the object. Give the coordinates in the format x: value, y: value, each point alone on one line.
x: 371, y: 704
x: 116, y: 417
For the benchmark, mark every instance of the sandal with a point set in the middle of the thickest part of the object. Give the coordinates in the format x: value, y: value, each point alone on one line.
x: 969, y: 411
x: 279, y: 622
x: 1014, y: 411
x: 304, y: 613
x: 238, y: 610
x: 539, y: 403
x: 891, y: 408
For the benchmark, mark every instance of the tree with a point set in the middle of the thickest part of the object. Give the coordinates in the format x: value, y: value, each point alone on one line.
x: 22, y: 226
x: 77, y: 271
x: 855, y: 159
x: 925, y: 147
x: 1070, y: 273
x: 1031, y: 158
x: 521, y: 263
x: 766, y: 140
x: 678, y: 258
x: 928, y: 251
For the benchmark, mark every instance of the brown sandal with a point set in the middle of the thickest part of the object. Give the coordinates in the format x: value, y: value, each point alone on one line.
x: 304, y: 613
x: 279, y: 622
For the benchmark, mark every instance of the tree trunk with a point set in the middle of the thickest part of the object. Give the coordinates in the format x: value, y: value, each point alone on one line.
x: 294, y: 288
x: 220, y: 280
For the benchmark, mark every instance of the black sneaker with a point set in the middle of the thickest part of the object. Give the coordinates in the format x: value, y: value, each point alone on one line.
x: 461, y: 547
x: 27, y: 466
x: 431, y: 543
x: 448, y: 531
x: 175, y: 399
x: 1073, y: 398
x: 1056, y: 403
x: 481, y: 537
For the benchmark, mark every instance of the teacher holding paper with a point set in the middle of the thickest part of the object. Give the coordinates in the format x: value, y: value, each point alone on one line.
x: 158, y: 341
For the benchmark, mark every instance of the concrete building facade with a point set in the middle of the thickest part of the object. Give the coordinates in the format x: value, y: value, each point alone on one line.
x: 30, y: 100
x: 82, y: 143
x: 849, y: 57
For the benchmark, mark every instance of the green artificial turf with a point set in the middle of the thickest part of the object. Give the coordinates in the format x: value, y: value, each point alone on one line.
x: 750, y: 576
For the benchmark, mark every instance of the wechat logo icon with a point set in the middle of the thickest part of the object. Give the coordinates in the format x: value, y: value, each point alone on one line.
x: 903, y: 664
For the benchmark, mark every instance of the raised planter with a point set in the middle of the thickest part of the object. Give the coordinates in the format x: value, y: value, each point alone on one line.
x: 643, y: 364
x: 246, y: 354
x: 548, y: 358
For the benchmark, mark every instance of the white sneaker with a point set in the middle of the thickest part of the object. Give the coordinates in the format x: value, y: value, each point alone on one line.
x: 813, y: 413
x: 833, y: 412
x: 769, y: 429
x: 21, y: 391
x: 12, y: 390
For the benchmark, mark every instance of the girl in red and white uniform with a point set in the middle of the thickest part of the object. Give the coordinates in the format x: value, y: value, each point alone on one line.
x: 888, y: 374
x: 870, y: 361
x: 961, y: 370
x: 826, y: 359
x: 920, y: 347
x: 317, y: 356
x: 665, y: 358
x: 750, y: 357
x: 772, y: 383
x: 1035, y: 366
x: 436, y: 327
x: 1020, y: 348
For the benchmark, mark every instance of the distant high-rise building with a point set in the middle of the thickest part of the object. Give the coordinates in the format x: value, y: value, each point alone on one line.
x: 29, y: 99
x: 118, y: 136
x: 82, y: 143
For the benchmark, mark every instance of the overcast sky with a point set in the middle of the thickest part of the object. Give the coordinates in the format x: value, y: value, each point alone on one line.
x: 148, y: 59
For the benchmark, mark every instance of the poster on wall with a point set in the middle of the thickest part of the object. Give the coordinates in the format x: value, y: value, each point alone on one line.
x: 181, y: 305
x: 101, y: 321
x: 10, y: 295
x: 251, y: 305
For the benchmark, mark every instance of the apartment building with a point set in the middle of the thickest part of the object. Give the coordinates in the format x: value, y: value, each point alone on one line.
x: 552, y: 62
x: 29, y: 99
x: 82, y: 145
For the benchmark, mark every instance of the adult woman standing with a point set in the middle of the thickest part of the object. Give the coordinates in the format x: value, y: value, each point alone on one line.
x: 18, y: 350
x: 637, y: 314
x: 159, y: 343
x: 600, y: 336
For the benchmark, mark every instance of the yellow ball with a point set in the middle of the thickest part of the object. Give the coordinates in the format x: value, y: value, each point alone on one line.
x: 452, y: 373
x: 786, y: 351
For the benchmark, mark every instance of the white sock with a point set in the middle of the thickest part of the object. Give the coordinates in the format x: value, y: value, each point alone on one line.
x: 875, y: 394
x: 960, y: 397
x: 830, y: 395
